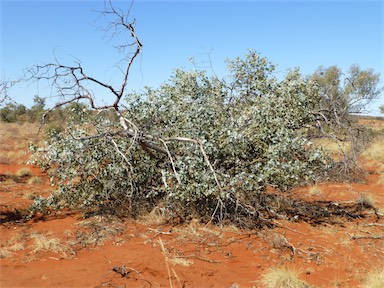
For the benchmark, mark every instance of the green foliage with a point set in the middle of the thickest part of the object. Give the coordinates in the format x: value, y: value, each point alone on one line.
x: 90, y: 174
x: 39, y: 103
x: 341, y: 96
x: 7, y: 115
x: 37, y: 110
x: 12, y: 112
x: 348, y: 93
x: 243, y: 136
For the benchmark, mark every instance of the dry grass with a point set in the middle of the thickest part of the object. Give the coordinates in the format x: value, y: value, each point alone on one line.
x: 19, y: 130
x: 97, y: 229
x: 30, y: 195
x: 365, y: 200
x: 181, y: 261
x: 315, y: 191
x: 17, y: 247
x: 40, y: 243
x: 381, y: 179
x: 7, y: 157
x: 12, y: 157
x: 331, y: 146
x: 35, y: 180
x: 375, y: 150
x: 374, y: 279
x: 22, y: 172
x: 4, y: 253
x: 13, y: 140
x: 43, y: 243
x: 282, y: 278
x: 157, y: 216
x: 9, y: 181
x: 6, y: 146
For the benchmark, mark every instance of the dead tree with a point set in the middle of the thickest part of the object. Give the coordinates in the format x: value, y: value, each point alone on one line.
x: 72, y: 84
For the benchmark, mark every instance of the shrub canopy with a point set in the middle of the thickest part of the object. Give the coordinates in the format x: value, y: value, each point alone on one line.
x: 222, y: 142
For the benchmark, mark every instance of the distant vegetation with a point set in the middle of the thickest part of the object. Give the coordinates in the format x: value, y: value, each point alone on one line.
x: 12, y: 112
x: 49, y: 120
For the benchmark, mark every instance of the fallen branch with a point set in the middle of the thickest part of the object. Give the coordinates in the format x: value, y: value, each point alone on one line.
x: 166, y: 262
x: 159, y: 232
x: 375, y: 237
x: 198, y: 258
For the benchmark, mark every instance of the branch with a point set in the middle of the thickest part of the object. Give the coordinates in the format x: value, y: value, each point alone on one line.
x: 4, y: 87
x: 357, y: 237
x: 122, y: 22
x: 73, y: 82
x: 197, y: 142
x: 172, y: 163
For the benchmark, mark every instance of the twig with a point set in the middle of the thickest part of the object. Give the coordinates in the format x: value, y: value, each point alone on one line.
x: 357, y: 237
x: 172, y: 163
x: 166, y: 262
x: 107, y: 259
x: 375, y: 224
x: 159, y: 232
x: 198, y: 258
x: 177, y: 277
x: 197, y: 142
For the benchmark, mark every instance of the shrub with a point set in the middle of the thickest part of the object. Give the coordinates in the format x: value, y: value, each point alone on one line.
x: 12, y: 112
x: 222, y: 145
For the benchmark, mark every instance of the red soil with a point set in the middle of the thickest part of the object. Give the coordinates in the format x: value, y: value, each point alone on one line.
x: 146, y: 254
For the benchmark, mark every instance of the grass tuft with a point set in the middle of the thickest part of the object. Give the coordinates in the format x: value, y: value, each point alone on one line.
x: 381, y: 179
x: 374, y: 279
x: 282, y: 278
x: 365, y: 201
x: 98, y: 229
x: 35, y: 180
x: 44, y: 243
x: 375, y: 150
x: 331, y: 146
x: 4, y: 253
x: 17, y: 247
x: 181, y: 261
x: 315, y: 190
x: 22, y: 172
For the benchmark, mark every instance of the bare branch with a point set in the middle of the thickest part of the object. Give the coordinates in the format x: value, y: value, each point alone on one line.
x: 171, y: 159
x: 197, y: 142
x: 4, y: 87
x: 72, y: 83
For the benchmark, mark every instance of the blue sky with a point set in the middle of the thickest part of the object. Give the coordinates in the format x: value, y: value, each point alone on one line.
x: 304, y: 34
